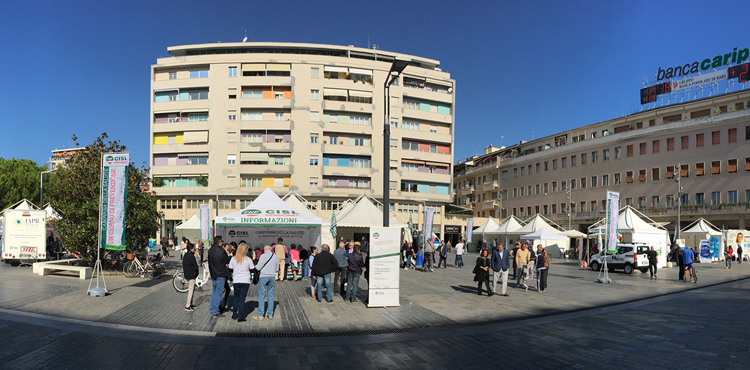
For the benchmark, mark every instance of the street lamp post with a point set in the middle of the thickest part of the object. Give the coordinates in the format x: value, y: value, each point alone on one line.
x: 217, y: 198
x: 398, y: 66
x: 41, y: 185
x: 500, y: 198
x: 677, y: 179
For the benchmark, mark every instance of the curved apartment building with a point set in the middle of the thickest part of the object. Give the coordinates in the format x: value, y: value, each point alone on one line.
x: 229, y: 119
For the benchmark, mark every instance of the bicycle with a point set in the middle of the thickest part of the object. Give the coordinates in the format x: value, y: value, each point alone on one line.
x: 180, y: 284
x: 135, y: 267
x: 695, y: 275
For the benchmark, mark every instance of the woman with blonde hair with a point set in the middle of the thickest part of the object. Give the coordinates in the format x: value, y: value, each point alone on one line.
x: 241, y: 266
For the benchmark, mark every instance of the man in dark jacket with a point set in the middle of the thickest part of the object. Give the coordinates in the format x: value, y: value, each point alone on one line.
x: 365, y: 246
x: 323, y: 265
x: 218, y: 259
x: 443, y: 256
x: 652, y: 258
x: 190, y: 271
x: 500, y: 264
x: 355, y: 263
x: 516, y: 247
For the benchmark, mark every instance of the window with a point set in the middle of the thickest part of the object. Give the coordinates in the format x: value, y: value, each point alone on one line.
x: 546, y: 167
x: 732, y: 166
x: 554, y: 164
x: 655, y: 174
x: 394, y: 124
x: 409, y: 104
x: 314, y: 116
x: 232, y: 117
x: 715, y: 167
x: 572, y: 184
x: 394, y: 143
x: 685, y: 142
x: 732, y: 133
x: 583, y: 158
x: 641, y: 175
x: 314, y: 72
x: 670, y: 144
x: 593, y: 181
x: 313, y: 138
x: 231, y: 137
x: 655, y: 146
x: 226, y: 203
x: 685, y: 199
x: 358, y: 141
x: 643, y: 148
x: 314, y: 94
x: 699, y: 201
x: 433, y: 128
x: 196, y: 117
x: 198, y: 74
x: 698, y: 140
x: 546, y: 188
x: 629, y: 177
x: 669, y: 175
x: 594, y: 157
x: 252, y: 182
x: 617, y: 179
x: 230, y: 180
x: 232, y: 71
x: 684, y: 170
x: 583, y: 183
x: 252, y: 116
x: 171, y: 204
x: 198, y: 95
x: 629, y: 149
x: 523, y: 169
x: 252, y: 94
x: 231, y: 158
x: 629, y: 201
x: 747, y: 132
x: 699, y: 169
x: 279, y: 95
x: 279, y: 116
x: 406, y: 125
x: 715, y: 198
x: 605, y: 154
x: 715, y: 138
x: 393, y: 186
x: 313, y: 182
x: 747, y: 195
x: 618, y: 153
x: 670, y: 201
x: 313, y: 160
x: 172, y: 75
x: 563, y: 163
x: 572, y: 161
x: 252, y: 137
x: 605, y: 180
x: 732, y: 196
x: 642, y: 202
x: 394, y: 101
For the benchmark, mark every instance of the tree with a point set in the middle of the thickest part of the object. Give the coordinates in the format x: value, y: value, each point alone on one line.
x: 19, y: 179
x: 75, y: 192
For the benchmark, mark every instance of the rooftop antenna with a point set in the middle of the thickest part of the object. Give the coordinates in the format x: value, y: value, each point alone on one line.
x: 244, y: 39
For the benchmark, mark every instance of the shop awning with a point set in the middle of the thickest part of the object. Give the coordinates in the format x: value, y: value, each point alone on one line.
x: 253, y: 157
x: 194, y: 137
x: 335, y: 69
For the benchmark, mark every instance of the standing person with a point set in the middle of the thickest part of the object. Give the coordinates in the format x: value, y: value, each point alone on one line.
x: 294, y: 261
x: 324, y: 264
x: 190, y: 271
x: 728, y: 253
x: 460, y: 254
x: 481, y: 273
x: 269, y: 268
x: 217, y: 266
x: 739, y: 240
x: 687, y: 259
x: 354, y: 267
x: 365, y: 246
x: 313, y: 280
x: 680, y: 264
x: 429, y: 251
x: 165, y: 247
x: 404, y: 247
x: 443, y: 255
x: 531, y: 267
x: 200, y: 248
x: 652, y: 262
x: 241, y: 265
x: 500, y: 264
x: 180, y: 247
x: 340, y: 276
x: 303, y: 256
x: 409, y: 254
x: 257, y: 253
x: 542, y: 267
x: 279, y: 249
x: 513, y: 253
x: 522, y: 260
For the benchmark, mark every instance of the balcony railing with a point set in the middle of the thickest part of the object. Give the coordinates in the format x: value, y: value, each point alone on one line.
x: 489, y: 186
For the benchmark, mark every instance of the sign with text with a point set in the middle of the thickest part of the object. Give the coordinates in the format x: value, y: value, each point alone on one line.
x: 383, y: 284
x: 205, y: 223
x: 613, y: 214
x: 469, y: 229
x: 699, y: 80
x: 114, y: 197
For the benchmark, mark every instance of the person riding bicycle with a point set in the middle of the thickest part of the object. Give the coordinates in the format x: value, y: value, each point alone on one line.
x: 687, y: 258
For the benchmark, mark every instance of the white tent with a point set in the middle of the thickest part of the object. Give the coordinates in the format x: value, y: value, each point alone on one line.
x: 268, y: 218
x: 556, y: 246
x: 699, y: 230
x: 636, y: 230
x: 296, y: 201
x: 544, y: 234
x: 508, y: 227
x: 51, y: 213
x: 190, y: 228
x: 535, y: 223
x: 362, y: 214
x: 489, y: 227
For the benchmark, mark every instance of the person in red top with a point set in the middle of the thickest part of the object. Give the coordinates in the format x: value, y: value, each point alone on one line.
x: 294, y: 261
x: 728, y: 253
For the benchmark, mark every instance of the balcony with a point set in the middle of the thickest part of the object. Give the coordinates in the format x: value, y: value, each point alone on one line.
x: 490, y: 186
x: 347, y: 171
x: 265, y: 147
x: 425, y: 176
x: 179, y: 148
x: 488, y: 204
x: 466, y: 191
x: 178, y: 105
x: 423, y: 136
x: 348, y: 149
x: 192, y: 190
x: 428, y: 116
x: 265, y: 125
x: 266, y: 103
x: 165, y: 171
x: 349, y: 128
x: 181, y: 126
x: 427, y: 94
x: 343, y: 106
x: 265, y: 169
x: 264, y: 80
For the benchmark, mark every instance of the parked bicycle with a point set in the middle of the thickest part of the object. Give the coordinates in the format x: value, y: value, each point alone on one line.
x: 180, y: 284
x: 154, y: 269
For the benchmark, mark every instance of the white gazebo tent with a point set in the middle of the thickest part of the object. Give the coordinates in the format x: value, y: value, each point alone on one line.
x: 635, y: 229
x: 268, y: 218
x: 489, y: 227
x: 190, y: 228
x: 506, y: 227
x: 699, y: 230
x: 552, y: 246
x: 361, y: 214
x: 545, y: 237
x: 296, y: 201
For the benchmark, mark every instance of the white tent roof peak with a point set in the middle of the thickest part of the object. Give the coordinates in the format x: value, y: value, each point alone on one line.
x: 489, y: 227
x: 269, y: 210
x: 511, y: 224
x: 192, y: 223
x: 544, y: 233
x: 535, y: 223
x: 363, y: 213
x: 700, y: 227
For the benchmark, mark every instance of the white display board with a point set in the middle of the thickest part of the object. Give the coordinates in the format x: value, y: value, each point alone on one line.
x: 384, y: 267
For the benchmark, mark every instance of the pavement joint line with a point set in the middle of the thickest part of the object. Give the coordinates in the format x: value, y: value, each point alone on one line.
x: 210, y: 339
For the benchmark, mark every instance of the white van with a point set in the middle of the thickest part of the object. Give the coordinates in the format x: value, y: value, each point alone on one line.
x: 629, y: 257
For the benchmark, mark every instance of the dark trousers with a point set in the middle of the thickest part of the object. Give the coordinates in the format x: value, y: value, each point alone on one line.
x: 227, y: 290
x: 515, y: 268
x: 543, y: 279
x: 652, y: 268
x: 739, y: 257
x: 427, y: 263
x: 681, y: 271
x: 444, y: 261
x: 339, y: 278
x: 486, y: 282
x: 240, y: 293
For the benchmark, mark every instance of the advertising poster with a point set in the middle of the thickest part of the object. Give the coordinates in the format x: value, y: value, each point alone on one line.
x: 206, y: 223
x: 384, y: 272
x: 114, y: 187
x: 469, y: 229
x: 738, y: 238
x: 428, y: 221
x: 613, y: 213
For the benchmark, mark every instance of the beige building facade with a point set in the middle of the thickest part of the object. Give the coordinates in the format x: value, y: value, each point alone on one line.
x: 230, y: 119
x: 565, y: 176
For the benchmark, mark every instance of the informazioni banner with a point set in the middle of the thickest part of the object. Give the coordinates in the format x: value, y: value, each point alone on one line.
x: 613, y: 214
x: 114, y: 187
x: 205, y: 222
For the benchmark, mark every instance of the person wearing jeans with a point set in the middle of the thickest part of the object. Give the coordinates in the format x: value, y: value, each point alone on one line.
x: 354, y: 271
x: 241, y: 265
x: 323, y: 265
x: 218, y: 259
x: 269, y: 267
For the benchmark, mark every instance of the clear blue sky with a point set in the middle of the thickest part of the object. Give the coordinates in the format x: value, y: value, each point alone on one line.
x: 82, y: 68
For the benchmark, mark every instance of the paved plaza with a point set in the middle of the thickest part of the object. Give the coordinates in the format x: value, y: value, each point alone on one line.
x: 636, y: 322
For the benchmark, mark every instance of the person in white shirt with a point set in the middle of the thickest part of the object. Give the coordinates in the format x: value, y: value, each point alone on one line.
x: 241, y: 265
x: 459, y: 254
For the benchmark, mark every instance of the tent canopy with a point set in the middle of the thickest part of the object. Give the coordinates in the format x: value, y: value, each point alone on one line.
x: 573, y: 234
x: 296, y: 201
x: 628, y: 222
x: 363, y: 213
x: 535, y: 223
x: 192, y: 223
x: 544, y: 233
x: 489, y: 227
x: 510, y: 225
x: 700, y: 227
x: 268, y: 210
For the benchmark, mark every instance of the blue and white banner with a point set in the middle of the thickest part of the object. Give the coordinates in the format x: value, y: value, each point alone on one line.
x: 429, y: 218
x: 469, y: 229
x: 205, y: 223
x: 613, y: 214
x: 114, y: 196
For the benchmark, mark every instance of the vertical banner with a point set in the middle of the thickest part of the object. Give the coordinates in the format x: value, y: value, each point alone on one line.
x: 428, y: 221
x: 613, y: 213
x: 383, y: 284
x: 114, y: 187
x: 469, y: 229
x: 205, y: 223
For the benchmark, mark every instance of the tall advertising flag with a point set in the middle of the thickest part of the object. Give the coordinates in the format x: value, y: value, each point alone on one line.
x: 114, y: 187
x: 613, y: 213
x: 469, y: 229
x: 205, y: 222
x: 428, y: 221
x: 333, y: 225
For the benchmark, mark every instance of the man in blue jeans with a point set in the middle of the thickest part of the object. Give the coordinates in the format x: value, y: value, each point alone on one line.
x: 268, y: 265
x: 323, y: 265
x: 687, y: 258
x: 218, y: 259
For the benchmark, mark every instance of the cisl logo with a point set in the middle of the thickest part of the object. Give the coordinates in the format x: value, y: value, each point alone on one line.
x: 238, y: 233
x: 375, y: 235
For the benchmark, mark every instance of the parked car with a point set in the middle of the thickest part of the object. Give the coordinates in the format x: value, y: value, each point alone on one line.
x: 629, y: 257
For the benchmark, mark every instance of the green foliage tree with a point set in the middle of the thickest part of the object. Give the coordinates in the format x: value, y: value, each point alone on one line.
x: 75, y: 192
x: 19, y: 179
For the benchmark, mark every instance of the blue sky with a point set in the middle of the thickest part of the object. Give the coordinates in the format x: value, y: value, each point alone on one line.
x: 544, y: 66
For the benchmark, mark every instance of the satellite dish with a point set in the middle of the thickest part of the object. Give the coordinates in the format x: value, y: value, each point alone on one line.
x: 244, y: 39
